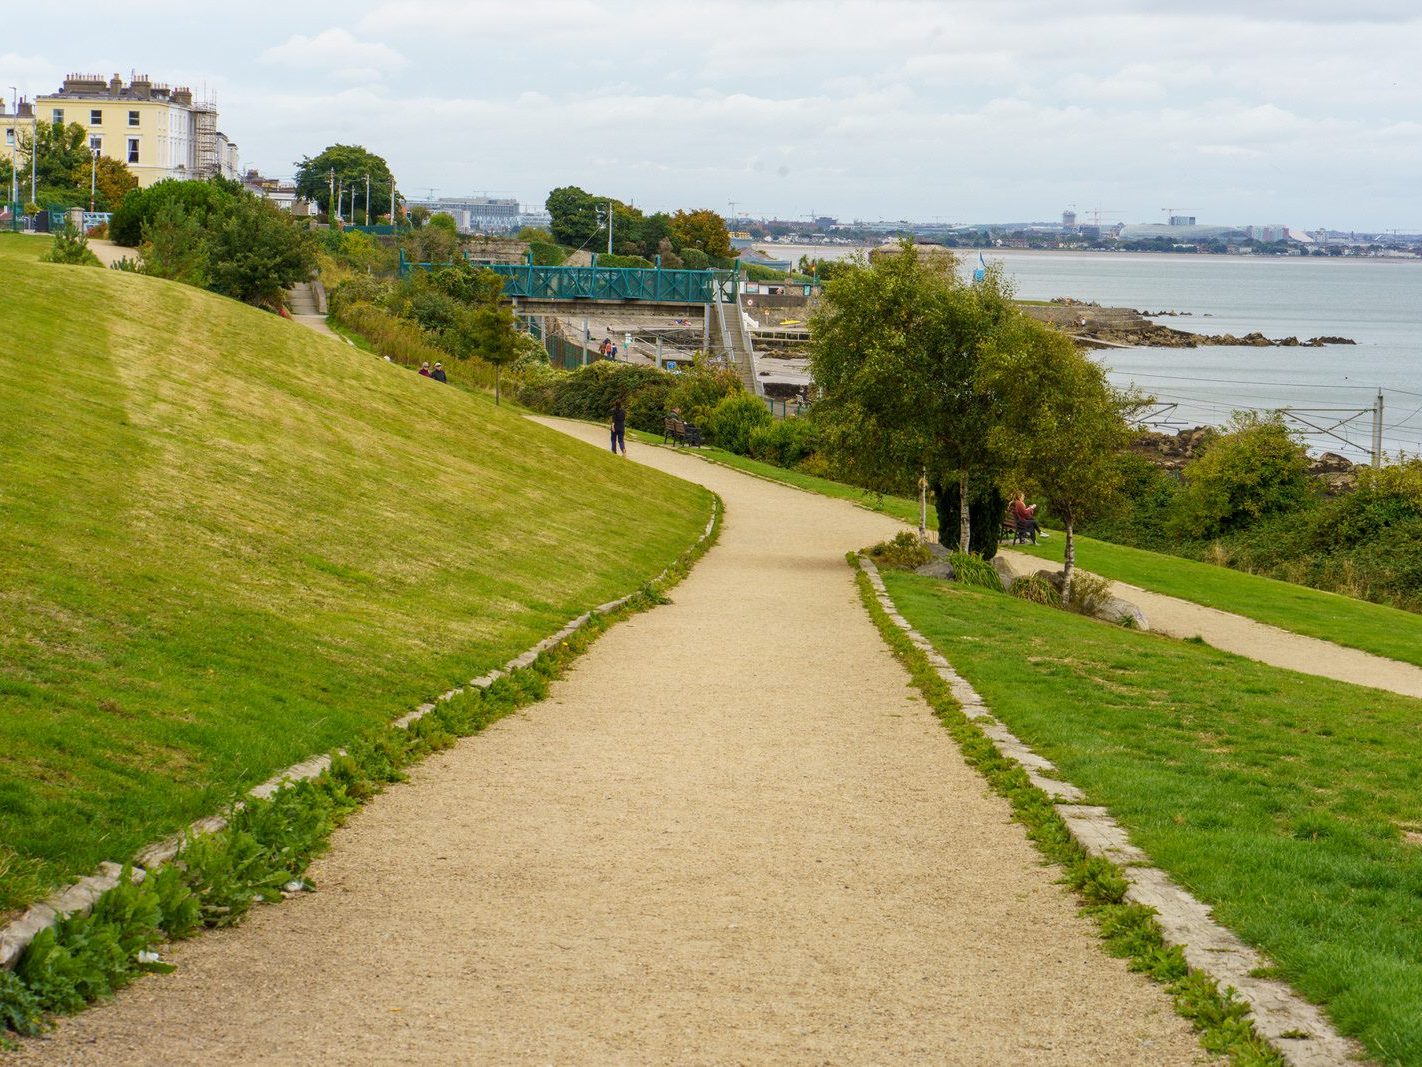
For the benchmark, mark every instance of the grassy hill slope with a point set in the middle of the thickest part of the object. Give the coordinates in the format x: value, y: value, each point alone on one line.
x: 230, y: 543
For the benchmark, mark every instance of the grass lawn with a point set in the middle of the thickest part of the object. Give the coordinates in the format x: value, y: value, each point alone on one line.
x: 231, y: 543
x: 1375, y: 628
x: 1288, y: 803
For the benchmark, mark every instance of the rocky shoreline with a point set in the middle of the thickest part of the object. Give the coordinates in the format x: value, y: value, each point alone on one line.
x: 1106, y: 327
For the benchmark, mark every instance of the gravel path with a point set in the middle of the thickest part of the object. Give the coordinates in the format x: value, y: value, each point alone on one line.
x: 1257, y: 640
x: 732, y: 834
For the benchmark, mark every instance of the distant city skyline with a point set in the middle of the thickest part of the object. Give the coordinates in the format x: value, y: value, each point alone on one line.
x: 1299, y: 112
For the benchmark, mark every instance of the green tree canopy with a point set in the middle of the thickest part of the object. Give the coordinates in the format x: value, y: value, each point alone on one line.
x: 199, y: 200
x: 64, y: 168
x: 1257, y: 468
x: 350, y: 164
x: 1061, y: 420
x: 702, y: 229
x: 898, y: 350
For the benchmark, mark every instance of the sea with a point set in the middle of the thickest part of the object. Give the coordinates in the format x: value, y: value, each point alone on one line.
x: 1329, y: 393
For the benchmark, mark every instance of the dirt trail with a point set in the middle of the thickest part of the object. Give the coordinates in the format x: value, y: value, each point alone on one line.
x: 732, y: 834
x: 1257, y: 640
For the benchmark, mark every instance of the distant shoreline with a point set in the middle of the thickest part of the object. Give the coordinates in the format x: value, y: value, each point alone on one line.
x: 793, y: 252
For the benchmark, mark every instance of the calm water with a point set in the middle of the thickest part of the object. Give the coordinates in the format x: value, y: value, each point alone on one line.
x: 1377, y: 303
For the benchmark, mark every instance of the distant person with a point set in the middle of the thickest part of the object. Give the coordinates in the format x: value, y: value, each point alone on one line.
x: 1024, y: 520
x: 612, y: 352
x: 438, y: 373
x: 425, y: 371
x: 619, y: 428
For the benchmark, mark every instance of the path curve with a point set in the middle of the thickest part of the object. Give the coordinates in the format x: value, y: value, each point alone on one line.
x: 1258, y: 640
x: 733, y: 833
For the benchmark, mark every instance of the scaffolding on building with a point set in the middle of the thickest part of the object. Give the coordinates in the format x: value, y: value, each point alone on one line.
x: 207, y: 158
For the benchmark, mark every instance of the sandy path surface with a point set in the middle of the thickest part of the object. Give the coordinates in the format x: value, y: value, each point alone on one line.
x: 732, y: 834
x: 1257, y: 640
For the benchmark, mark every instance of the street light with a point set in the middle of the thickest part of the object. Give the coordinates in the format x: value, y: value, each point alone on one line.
x: 367, y: 199
x: 93, y: 178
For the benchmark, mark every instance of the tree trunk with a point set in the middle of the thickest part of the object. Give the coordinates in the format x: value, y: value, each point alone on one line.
x: 965, y: 526
x: 1068, y: 562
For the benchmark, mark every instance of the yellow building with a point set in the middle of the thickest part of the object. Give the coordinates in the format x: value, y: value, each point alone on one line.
x: 159, y: 132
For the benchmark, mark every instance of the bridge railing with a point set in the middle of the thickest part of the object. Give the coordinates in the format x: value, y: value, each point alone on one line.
x: 525, y: 281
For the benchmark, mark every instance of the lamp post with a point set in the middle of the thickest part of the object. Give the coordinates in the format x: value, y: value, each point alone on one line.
x: 93, y: 177
x: 367, y: 199
x: 331, y: 199
x: 392, y: 200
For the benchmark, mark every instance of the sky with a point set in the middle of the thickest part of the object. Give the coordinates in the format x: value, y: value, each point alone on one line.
x: 1239, y: 112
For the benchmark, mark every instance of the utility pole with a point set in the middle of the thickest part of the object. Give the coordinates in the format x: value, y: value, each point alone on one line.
x: 93, y: 177
x: 392, y: 200
x: 367, y: 199
x: 331, y: 201
x: 14, y: 159
x: 609, y: 227
x: 1378, y: 429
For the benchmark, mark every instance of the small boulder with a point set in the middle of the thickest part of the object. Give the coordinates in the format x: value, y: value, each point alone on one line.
x: 1005, y: 573
x: 940, y: 568
x: 1118, y: 611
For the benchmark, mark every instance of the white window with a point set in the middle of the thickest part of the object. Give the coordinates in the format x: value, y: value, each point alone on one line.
x: 10, y: 135
x: 96, y: 144
x: 133, y: 149
x: 57, y: 115
x: 96, y: 117
x: 133, y: 118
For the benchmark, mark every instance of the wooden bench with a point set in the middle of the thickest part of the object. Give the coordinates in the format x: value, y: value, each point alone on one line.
x: 680, y: 432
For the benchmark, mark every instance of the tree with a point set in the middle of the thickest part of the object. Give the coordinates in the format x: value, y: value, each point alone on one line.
x: 1257, y: 468
x: 257, y: 252
x: 897, y: 352
x: 576, y: 215
x: 1061, y: 421
x: 175, y: 246
x: 65, y: 166
x: 201, y: 201
x: 703, y: 229
x: 350, y: 164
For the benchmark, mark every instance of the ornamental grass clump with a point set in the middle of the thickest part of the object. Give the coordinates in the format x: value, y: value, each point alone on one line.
x: 971, y: 569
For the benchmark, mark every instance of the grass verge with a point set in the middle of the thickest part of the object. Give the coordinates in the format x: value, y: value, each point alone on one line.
x: 1287, y: 803
x: 268, y: 844
x: 1128, y: 930
x: 231, y: 542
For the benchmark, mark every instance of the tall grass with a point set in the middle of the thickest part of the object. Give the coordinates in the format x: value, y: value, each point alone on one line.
x: 407, y: 344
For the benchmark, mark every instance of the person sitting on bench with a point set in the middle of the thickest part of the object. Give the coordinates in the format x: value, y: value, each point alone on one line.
x: 1024, y: 518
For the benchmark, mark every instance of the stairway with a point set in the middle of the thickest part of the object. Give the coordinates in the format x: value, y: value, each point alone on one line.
x: 731, y: 339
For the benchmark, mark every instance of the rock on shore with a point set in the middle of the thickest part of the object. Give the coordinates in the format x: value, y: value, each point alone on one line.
x: 1091, y: 324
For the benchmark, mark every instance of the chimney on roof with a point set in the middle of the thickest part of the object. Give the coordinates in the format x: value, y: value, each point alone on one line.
x: 183, y: 95
x: 141, y: 88
x: 115, y: 85
x: 26, y: 110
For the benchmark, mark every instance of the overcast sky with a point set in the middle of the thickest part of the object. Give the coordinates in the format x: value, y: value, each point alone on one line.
x: 1306, y: 112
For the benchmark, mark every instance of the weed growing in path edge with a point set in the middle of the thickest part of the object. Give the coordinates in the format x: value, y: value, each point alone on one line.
x: 1219, y: 1016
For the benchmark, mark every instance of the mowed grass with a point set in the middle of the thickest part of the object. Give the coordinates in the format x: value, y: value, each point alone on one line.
x: 1376, y: 628
x: 1288, y: 803
x: 230, y: 543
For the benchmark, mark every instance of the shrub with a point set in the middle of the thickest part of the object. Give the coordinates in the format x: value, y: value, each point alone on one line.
x: 734, y: 418
x: 700, y: 388
x: 971, y: 569
x: 1089, y: 593
x: 695, y: 259
x: 71, y: 247
x: 904, y: 553
x: 785, y: 443
x: 1256, y: 469
x: 405, y: 343
x: 99, y: 232
x: 589, y: 392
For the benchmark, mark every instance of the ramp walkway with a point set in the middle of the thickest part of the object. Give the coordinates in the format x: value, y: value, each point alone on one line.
x: 704, y: 847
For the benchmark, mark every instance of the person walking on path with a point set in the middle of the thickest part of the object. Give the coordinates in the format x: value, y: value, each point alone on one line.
x: 438, y: 373
x: 619, y: 428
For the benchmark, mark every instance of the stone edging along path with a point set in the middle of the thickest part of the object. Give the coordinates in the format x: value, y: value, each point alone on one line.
x: 1295, y: 1027
x: 80, y: 896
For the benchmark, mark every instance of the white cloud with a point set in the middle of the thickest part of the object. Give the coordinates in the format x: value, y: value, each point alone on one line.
x: 338, y: 53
